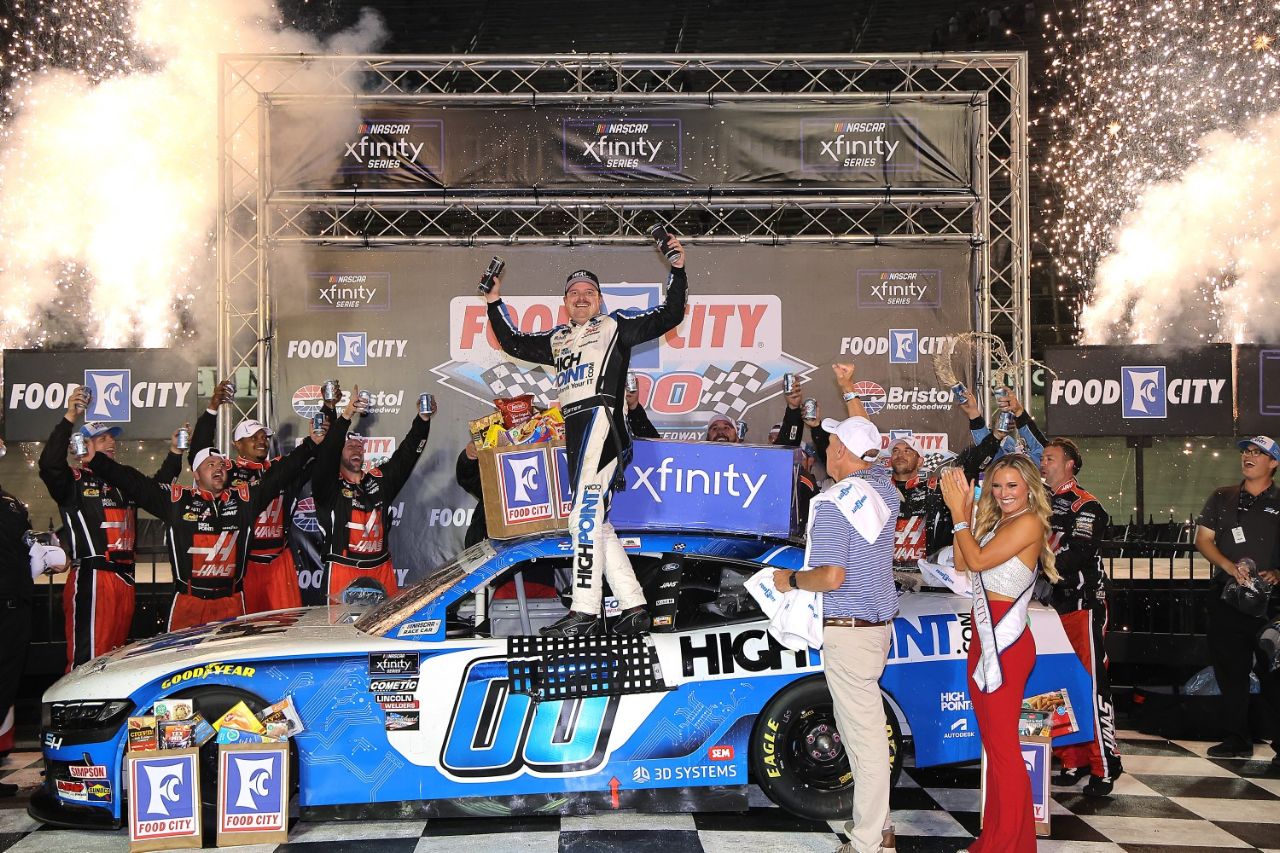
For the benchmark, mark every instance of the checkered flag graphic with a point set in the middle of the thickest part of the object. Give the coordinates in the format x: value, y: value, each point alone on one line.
x: 508, y: 380
x: 731, y: 392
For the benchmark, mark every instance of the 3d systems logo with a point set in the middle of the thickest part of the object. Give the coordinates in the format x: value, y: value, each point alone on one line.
x: 1142, y: 391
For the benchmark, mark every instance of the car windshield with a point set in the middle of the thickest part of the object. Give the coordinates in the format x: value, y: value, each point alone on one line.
x: 393, y: 611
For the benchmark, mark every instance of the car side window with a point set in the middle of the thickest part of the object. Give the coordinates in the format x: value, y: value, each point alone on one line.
x: 498, y: 614
x: 714, y: 592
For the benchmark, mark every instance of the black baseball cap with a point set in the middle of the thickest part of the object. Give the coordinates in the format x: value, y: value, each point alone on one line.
x: 582, y: 275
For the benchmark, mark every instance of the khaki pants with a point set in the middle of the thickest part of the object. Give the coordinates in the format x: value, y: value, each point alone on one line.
x: 854, y: 659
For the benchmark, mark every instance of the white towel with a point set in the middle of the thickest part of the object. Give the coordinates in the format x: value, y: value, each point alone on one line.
x: 795, y: 617
x: 860, y: 504
x: 940, y: 570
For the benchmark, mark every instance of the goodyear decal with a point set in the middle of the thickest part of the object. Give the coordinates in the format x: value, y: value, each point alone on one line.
x: 209, y: 670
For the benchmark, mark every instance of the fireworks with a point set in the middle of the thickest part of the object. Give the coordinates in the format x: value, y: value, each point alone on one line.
x: 1167, y: 219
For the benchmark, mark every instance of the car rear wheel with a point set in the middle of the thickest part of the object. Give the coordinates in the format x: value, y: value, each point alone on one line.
x: 798, y: 759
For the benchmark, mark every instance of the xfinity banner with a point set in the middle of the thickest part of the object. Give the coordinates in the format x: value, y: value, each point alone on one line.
x: 906, y: 143
x: 148, y: 392
x: 1139, y: 390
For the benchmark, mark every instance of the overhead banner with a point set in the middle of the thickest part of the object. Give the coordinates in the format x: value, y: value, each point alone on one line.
x: 1258, y: 390
x: 411, y: 321
x: 148, y: 392
x: 906, y: 144
x: 1139, y: 390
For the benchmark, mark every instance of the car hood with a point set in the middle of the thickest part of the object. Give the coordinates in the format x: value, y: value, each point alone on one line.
x: 293, y: 634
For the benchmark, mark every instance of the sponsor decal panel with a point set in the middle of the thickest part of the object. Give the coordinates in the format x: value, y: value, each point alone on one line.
x: 419, y: 629
x: 393, y: 663
x: 88, y: 771
x: 855, y: 145
x: 622, y: 144
x: 899, y: 288
x: 348, y: 291
x: 401, y: 144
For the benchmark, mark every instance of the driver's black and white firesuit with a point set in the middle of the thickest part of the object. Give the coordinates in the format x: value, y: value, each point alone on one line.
x: 590, y: 361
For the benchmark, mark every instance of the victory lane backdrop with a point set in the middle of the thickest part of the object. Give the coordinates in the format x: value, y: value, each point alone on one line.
x: 400, y: 321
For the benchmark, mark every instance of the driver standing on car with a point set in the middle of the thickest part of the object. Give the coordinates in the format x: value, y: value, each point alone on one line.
x: 591, y: 354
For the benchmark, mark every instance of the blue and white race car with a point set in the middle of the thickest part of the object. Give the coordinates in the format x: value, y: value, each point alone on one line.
x: 443, y: 701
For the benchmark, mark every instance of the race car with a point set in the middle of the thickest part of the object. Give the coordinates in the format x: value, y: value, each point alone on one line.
x: 444, y: 701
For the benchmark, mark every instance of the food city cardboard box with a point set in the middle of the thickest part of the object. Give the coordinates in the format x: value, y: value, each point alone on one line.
x: 164, y: 799
x: 1037, y: 752
x: 671, y: 485
x: 253, y: 793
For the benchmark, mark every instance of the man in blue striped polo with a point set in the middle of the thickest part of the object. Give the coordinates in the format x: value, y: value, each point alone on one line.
x: 849, y: 558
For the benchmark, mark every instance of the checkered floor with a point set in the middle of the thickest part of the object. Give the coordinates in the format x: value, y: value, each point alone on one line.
x: 1172, y: 799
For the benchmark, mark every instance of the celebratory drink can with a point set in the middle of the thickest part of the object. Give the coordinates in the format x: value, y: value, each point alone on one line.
x: 659, y: 235
x: 88, y: 396
x: 959, y: 392
x: 1005, y: 421
x: 426, y: 404
x: 788, y: 383
x: 230, y: 386
x: 365, y: 397
x: 318, y: 420
x: 809, y: 409
x: 329, y: 391
x: 496, y: 265
x: 183, y: 439
x: 741, y: 426
x: 633, y: 383
x: 79, y: 446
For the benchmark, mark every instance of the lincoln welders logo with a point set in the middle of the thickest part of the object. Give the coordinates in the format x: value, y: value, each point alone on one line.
x: 882, y: 144
x: 391, y: 145
x: 725, y: 358
x: 622, y: 144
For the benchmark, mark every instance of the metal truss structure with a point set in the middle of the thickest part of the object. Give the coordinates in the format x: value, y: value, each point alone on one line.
x: 991, y: 216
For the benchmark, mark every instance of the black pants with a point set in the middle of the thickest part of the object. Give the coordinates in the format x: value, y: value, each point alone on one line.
x: 15, y: 627
x: 1233, y: 651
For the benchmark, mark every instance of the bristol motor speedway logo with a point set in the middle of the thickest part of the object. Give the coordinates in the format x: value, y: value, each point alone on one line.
x: 725, y: 358
x: 870, y: 144
x: 381, y: 146
x: 343, y: 291
x: 622, y: 144
x: 896, y: 398
x: 899, y: 288
x: 307, y: 401
x: 1142, y: 392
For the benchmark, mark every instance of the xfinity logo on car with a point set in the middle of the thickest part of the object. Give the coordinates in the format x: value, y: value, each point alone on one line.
x: 661, y: 478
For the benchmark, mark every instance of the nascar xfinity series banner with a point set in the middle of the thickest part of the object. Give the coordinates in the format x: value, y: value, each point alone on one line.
x: 899, y: 144
x: 1139, y: 390
x: 148, y: 392
x: 402, y: 321
x: 1257, y: 370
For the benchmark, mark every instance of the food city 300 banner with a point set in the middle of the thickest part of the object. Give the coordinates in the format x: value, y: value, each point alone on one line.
x: 402, y: 321
x: 906, y: 143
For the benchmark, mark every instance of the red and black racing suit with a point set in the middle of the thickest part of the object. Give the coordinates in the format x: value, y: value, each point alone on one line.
x: 101, y: 526
x: 208, y: 534
x: 1079, y: 524
x: 591, y: 361
x: 353, y: 516
x: 924, y: 522
x: 271, y: 578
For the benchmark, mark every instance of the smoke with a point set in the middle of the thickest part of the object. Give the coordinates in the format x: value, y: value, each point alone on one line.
x: 109, y: 184
x: 1198, y: 258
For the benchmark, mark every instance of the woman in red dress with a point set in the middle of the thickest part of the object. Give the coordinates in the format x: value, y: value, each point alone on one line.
x: 1010, y: 537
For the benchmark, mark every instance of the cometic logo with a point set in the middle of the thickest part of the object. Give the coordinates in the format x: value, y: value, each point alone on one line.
x: 110, y: 394
x: 348, y: 349
x: 364, y: 291
x: 899, y: 288
x: 255, y: 778
x: 870, y: 144
x: 622, y: 145
x: 385, y: 146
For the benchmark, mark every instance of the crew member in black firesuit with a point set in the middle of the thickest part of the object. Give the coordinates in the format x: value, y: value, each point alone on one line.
x: 352, y: 504
x: 1078, y: 525
x: 591, y: 354
x: 98, y: 599
x: 209, y: 527
x: 271, y: 578
x: 924, y: 523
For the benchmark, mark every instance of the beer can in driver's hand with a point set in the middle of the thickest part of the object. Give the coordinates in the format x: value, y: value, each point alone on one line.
x: 329, y: 391
x: 809, y: 409
x: 741, y: 427
x: 365, y: 397
x: 788, y: 383
x: 229, y: 388
x: 88, y: 397
x: 959, y: 392
x: 318, y: 421
x: 183, y: 440
x: 633, y: 382
x: 426, y: 404
x: 494, y: 270
x: 1005, y: 421
x: 79, y: 446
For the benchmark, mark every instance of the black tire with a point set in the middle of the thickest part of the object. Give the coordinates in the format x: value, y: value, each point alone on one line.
x: 211, y: 703
x: 796, y: 758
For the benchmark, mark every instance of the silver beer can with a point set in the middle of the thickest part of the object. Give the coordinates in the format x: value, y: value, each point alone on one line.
x: 426, y: 404
x: 183, y: 441
x: 959, y: 392
x: 788, y: 383
x: 230, y: 386
x: 88, y: 396
x: 1006, y: 422
x: 633, y: 382
x: 329, y: 391
x: 365, y: 397
x: 741, y: 427
x: 79, y: 445
x: 809, y: 409
x: 318, y: 421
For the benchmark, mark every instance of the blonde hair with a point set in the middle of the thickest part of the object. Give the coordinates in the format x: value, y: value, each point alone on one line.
x: 989, y: 513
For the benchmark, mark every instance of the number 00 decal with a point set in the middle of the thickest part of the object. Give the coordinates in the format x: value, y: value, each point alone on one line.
x: 495, y: 732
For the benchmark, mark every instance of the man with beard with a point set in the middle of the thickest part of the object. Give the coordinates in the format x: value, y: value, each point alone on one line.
x: 209, y: 527
x: 352, y: 504
x: 271, y: 579
x: 722, y: 428
x: 924, y: 524
x: 101, y: 524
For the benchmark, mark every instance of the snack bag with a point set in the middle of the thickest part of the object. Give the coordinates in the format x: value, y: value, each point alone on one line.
x: 177, y: 734
x: 480, y: 427
x: 515, y: 410
x: 172, y: 709
x: 238, y: 717
x: 142, y: 734
x: 202, y: 730
x: 230, y: 734
x: 281, y: 719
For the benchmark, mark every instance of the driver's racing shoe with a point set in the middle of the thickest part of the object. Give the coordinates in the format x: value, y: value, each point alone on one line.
x: 574, y: 625
x: 634, y: 620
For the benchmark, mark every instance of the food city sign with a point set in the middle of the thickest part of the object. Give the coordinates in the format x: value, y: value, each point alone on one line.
x: 1139, y: 390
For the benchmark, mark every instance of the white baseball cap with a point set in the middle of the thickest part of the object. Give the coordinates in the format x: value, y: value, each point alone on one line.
x: 204, y: 455
x: 860, y: 435
x: 910, y: 441
x: 248, y: 428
